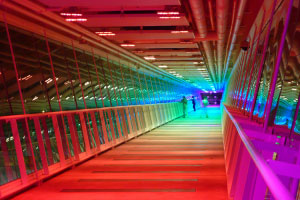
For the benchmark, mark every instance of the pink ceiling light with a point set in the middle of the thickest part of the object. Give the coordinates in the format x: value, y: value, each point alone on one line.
x: 149, y: 58
x: 76, y: 19
x: 71, y: 14
x: 176, y: 32
x: 170, y: 17
x: 106, y: 33
x: 167, y: 13
x: 127, y: 45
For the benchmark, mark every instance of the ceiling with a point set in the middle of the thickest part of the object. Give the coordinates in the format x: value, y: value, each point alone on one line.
x: 187, y: 38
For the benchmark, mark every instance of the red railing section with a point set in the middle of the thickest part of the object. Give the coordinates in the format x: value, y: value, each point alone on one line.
x: 38, y: 146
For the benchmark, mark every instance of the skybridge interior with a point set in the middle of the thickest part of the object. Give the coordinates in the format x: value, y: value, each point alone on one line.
x: 140, y: 99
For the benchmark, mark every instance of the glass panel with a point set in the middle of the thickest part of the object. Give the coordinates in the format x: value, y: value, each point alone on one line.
x: 9, y: 94
x: 99, y: 126
x: 35, y: 145
x: 9, y: 169
x: 80, y: 133
x: 288, y: 83
x: 49, y: 140
x: 26, y: 146
x: 67, y: 127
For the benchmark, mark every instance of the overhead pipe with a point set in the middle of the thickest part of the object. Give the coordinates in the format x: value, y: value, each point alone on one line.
x: 222, y: 15
x: 208, y: 37
x: 199, y: 17
x: 200, y: 21
x: 211, y: 15
x: 231, y: 29
x: 238, y: 22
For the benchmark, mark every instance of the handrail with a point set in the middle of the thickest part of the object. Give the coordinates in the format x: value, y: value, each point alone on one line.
x: 47, y: 114
x: 272, y: 181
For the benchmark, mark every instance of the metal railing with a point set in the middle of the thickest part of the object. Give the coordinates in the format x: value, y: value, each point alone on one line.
x: 37, y: 146
x: 257, y: 165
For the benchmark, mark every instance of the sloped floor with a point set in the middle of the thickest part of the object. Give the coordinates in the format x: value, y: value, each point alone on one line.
x: 180, y: 160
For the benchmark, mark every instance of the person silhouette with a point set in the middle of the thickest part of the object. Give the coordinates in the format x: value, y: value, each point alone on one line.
x: 184, y: 104
x: 194, y: 103
x: 205, y: 104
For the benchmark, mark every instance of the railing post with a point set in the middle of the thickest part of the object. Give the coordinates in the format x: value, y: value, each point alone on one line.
x: 42, y: 151
x: 19, y: 151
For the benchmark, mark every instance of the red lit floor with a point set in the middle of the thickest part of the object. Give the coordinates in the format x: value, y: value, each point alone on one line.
x: 181, y: 160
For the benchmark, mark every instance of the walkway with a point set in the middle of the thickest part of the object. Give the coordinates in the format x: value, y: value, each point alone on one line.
x: 180, y: 160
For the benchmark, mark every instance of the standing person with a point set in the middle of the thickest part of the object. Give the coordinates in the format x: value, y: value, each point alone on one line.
x: 184, y: 104
x: 194, y: 103
x: 205, y: 104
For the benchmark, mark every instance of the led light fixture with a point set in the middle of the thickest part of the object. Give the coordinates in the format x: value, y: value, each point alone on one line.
x: 76, y: 19
x: 127, y: 45
x: 163, y: 66
x: 170, y: 17
x: 149, y: 58
x: 106, y: 33
x: 71, y: 14
x: 176, y: 32
x: 167, y: 13
x: 25, y: 78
